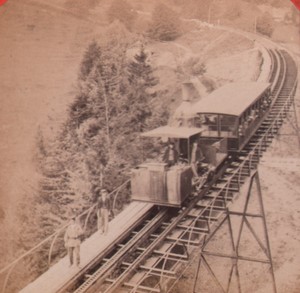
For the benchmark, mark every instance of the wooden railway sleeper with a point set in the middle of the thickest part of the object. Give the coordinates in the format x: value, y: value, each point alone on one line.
x: 171, y: 255
x: 216, y: 208
x: 130, y: 285
x: 166, y: 273
x: 245, y: 173
x: 229, y: 196
x: 185, y: 241
x: 196, y: 230
x: 216, y: 188
x: 178, y: 240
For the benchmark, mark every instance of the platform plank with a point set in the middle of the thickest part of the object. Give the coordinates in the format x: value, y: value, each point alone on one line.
x: 60, y: 273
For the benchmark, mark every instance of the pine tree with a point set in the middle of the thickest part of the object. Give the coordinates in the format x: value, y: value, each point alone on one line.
x: 90, y: 58
x: 94, y: 115
x: 141, y: 80
x: 140, y: 70
x: 136, y: 111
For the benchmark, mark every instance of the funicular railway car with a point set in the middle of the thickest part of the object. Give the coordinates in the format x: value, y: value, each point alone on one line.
x: 234, y: 111
x: 203, y: 135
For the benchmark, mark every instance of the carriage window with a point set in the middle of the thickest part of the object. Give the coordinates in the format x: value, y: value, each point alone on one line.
x: 227, y: 125
x: 209, y: 123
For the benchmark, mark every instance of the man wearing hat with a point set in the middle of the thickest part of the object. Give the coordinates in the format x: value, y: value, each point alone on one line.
x: 72, y: 240
x: 103, y: 210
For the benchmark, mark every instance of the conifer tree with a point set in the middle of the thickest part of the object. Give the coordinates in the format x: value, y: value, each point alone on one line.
x: 140, y: 70
x: 141, y: 80
x: 90, y: 58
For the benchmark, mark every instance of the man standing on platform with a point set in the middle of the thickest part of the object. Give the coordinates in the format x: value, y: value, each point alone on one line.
x: 104, y: 208
x: 72, y: 240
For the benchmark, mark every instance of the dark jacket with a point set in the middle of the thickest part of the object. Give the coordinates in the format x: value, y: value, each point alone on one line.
x: 104, y: 204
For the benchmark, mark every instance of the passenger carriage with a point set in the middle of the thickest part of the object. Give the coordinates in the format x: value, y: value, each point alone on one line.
x: 233, y: 111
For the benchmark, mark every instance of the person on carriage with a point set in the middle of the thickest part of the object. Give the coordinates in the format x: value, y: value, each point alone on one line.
x: 171, y: 155
x: 196, y: 157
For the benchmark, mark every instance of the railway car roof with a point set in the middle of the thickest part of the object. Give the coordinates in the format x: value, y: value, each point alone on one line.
x: 231, y: 99
x: 172, y: 132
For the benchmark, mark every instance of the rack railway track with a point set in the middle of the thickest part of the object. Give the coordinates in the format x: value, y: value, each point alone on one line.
x: 152, y: 256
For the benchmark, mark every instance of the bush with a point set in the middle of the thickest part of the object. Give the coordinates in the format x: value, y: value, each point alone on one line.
x: 194, y: 66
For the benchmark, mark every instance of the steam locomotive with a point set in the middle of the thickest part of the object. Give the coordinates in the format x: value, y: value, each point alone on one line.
x: 203, y: 134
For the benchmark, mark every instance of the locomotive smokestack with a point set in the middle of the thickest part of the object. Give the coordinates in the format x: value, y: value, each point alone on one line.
x: 183, y: 115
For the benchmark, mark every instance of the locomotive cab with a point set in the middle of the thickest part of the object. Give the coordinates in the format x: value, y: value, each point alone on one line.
x: 162, y: 181
x: 169, y: 180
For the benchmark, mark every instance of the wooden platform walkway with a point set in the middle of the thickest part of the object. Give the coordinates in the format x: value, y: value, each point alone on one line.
x: 60, y: 273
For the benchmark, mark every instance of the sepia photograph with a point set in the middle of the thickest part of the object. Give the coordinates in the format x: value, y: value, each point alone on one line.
x: 149, y: 146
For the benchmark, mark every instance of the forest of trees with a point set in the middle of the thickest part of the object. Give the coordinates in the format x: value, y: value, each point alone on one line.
x: 99, y: 142
x: 97, y: 145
